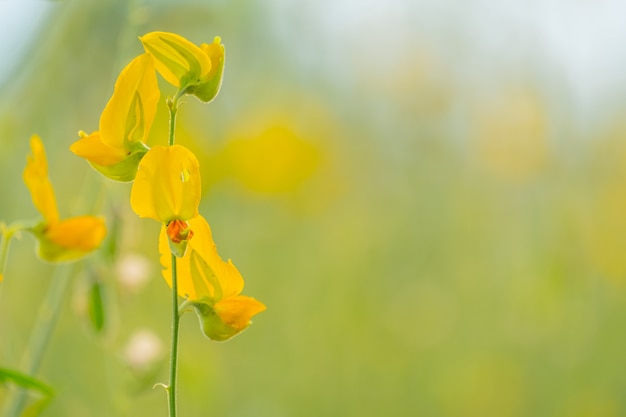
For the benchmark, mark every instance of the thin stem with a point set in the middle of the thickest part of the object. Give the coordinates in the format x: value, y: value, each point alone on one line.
x: 7, y: 233
x: 173, y: 107
x: 47, y: 319
x: 4, y: 250
x: 171, y: 388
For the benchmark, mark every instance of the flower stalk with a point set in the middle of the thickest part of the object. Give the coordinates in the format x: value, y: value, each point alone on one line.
x: 7, y: 234
x: 171, y: 388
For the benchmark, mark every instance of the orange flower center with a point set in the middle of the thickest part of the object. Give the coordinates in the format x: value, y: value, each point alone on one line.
x: 179, y: 231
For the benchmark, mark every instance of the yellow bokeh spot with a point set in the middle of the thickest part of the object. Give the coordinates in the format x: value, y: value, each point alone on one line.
x: 510, y: 135
x: 277, y: 161
x: 605, y: 232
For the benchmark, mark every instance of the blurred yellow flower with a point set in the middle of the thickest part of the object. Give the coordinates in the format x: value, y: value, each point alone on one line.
x: 212, y: 285
x: 276, y: 161
x: 194, y: 69
x: 116, y: 149
x: 510, y: 132
x: 59, y: 240
x: 167, y: 185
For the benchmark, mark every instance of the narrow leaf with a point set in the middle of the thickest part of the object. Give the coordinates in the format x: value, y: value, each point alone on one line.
x: 24, y: 381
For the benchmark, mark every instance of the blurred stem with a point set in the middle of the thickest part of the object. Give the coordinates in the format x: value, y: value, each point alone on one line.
x: 7, y: 234
x: 47, y: 319
x: 171, y: 388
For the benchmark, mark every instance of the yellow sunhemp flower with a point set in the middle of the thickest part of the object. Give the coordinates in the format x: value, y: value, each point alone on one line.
x: 196, y: 70
x: 167, y: 185
x: 213, y: 286
x: 59, y: 240
x: 116, y: 149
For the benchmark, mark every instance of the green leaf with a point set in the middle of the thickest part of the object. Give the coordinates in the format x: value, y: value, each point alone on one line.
x: 25, y: 381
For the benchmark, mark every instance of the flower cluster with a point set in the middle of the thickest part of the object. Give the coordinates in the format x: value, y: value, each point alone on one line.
x: 166, y: 179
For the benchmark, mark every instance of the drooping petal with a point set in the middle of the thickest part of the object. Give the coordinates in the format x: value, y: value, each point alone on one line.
x: 201, y: 272
x: 37, y: 180
x: 176, y: 59
x: 167, y: 185
x: 93, y: 149
x: 130, y: 112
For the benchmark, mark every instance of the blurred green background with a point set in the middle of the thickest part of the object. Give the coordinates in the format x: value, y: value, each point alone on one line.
x: 429, y: 197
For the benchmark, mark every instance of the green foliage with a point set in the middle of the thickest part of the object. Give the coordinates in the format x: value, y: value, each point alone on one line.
x: 25, y: 381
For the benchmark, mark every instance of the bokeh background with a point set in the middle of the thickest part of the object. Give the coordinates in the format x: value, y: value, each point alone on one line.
x: 429, y: 196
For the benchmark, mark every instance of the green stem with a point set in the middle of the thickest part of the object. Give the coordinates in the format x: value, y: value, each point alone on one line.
x: 172, y: 104
x: 7, y: 234
x: 171, y: 387
x: 47, y: 319
x: 4, y: 250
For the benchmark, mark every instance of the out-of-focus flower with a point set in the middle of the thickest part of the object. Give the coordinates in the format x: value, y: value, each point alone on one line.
x: 143, y: 349
x: 212, y: 285
x: 276, y: 161
x: 116, y: 149
x: 59, y: 240
x: 193, y: 69
x: 167, y: 185
x: 133, y: 271
x: 511, y: 135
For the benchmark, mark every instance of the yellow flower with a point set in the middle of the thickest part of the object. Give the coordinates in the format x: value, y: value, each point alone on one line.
x: 212, y: 285
x: 116, y: 149
x: 194, y: 69
x: 59, y: 240
x: 167, y: 185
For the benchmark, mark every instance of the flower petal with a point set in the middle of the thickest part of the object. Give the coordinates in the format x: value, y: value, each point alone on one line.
x: 130, y: 112
x: 177, y: 60
x: 37, y: 180
x: 84, y: 233
x: 237, y: 311
x: 167, y: 185
x: 93, y: 149
x: 201, y: 272
x: 227, y: 318
x: 70, y: 239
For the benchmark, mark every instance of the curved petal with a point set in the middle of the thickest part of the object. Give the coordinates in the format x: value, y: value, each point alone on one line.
x: 209, y: 86
x: 70, y: 239
x: 167, y: 184
x: 175, y: 57
x: 130, y: 112
x: 82, y: 233
x: 37, y: 180
x: 93, y: 149
x: 227, y: 318
x: 201, y: 272
x: 237, y: 311
x: 216, y: 53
